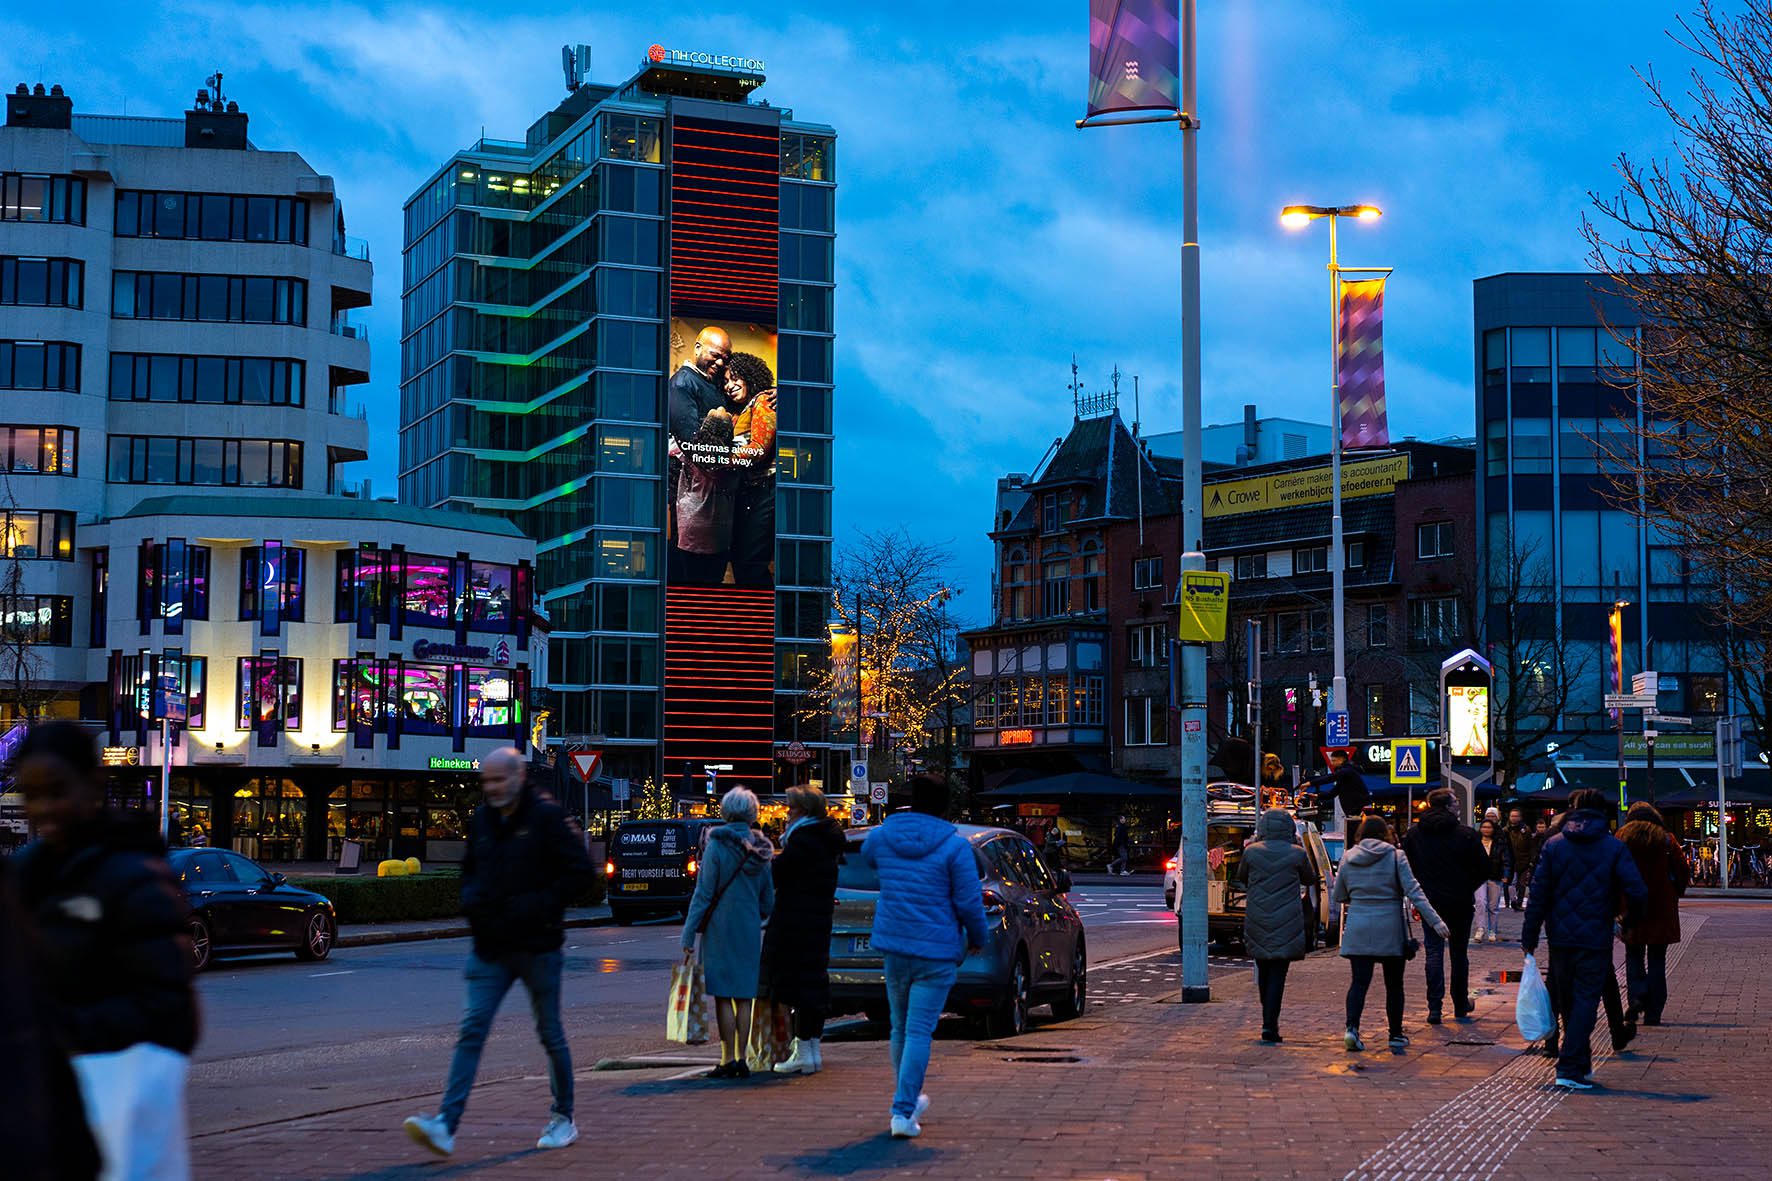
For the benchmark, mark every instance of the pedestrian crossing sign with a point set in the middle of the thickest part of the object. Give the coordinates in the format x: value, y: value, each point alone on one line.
x: 1409, y: 760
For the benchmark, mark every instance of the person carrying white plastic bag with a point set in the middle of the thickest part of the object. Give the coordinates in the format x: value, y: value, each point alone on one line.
x: 1532, y: 1008
x: 113, y: 931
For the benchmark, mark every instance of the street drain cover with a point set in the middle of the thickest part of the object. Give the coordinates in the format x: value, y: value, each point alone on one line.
x: 1042, y: 1058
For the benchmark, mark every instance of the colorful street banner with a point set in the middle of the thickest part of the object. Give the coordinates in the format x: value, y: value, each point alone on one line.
x: 1615, y: 651
x: 1361, y: 364
x: 1134, y: 56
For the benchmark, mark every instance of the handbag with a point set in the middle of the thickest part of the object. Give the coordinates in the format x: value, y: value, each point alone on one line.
x: 1411, y: 945
x: 771, y: 1039
x: 686, y: 1014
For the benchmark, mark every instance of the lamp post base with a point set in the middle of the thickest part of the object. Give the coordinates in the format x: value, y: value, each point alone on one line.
x: 1195, y: 996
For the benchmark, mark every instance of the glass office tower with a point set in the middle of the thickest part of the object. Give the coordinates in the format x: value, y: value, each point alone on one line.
x: 1554, y: 401
x: 552, y: 288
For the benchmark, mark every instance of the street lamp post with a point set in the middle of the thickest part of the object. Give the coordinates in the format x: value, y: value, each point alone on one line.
x: 1296, y: 217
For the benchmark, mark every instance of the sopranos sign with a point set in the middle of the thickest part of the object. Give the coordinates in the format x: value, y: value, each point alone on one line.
x: 659, y: 55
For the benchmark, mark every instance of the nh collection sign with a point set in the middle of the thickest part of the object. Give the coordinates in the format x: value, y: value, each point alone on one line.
x: 659, y: 55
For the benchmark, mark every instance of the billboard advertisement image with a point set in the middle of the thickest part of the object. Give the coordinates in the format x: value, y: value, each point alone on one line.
x: 721, y: 399
x: 1467, y: 719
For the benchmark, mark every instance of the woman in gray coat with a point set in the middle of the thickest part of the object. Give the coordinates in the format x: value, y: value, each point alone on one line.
x: 1375, y: 882
x: 733, y: 895
x: 1273, y: 871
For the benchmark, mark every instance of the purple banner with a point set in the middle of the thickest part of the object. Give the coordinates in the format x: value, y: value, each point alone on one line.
x: 1361, y: 364
x: 1134, y: 56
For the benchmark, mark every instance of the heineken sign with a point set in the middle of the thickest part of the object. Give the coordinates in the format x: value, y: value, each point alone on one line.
x: 454, y: 763
x: 1673, y: 746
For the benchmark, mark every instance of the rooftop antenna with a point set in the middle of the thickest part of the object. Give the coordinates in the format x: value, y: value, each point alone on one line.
x: 575, y: 61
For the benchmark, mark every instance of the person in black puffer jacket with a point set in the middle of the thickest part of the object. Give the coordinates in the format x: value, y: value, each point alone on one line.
x: 114, y: 946
x: 797, y: 943
x: 525, y: 861
x: 1448, y: 860
x: 1581, y: 873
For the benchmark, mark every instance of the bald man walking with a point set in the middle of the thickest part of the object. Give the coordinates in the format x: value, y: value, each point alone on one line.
x: 525, y: 860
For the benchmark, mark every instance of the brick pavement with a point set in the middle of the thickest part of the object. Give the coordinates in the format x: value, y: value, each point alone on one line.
x: 1149, y: 1088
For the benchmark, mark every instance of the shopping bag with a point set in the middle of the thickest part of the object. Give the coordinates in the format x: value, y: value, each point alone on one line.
x: 1532, y: 1010
x: 686, y: 1019
x: 135, y: 1106
x: 771, y: 1036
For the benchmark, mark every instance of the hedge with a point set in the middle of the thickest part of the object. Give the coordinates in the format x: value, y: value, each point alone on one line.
x: 434, y: 894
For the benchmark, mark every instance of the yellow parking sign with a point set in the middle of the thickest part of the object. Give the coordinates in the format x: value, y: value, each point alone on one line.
x: 1205, y: 606
x: 1409, y: 760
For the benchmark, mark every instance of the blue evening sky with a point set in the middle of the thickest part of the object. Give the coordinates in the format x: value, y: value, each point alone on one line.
x: 982, y: 239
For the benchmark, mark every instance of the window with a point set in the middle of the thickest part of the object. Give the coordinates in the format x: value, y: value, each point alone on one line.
x: 426, y: 599
x: 269, y: 693
x: 804, y: 359
x: 1289, y: 633
x: 1706, y: 694
x: 1055, y: 588
x: 1147, y: 722
x: 803, y: 461
x: 46, y: 620
x: 362, y: 586
x: 244, y: 463
x: 1252, y: 565
x: 1311, y: 560
x: 1147, y: 645
x: 424, y: 698
x: 38, y: 450
x: 808, y: 157
x: 28, y: 196
x: 249, y: 381
x: 631, y: 190
x: 1375, y: 711
x: 492, y: 600
x: 1147, y: 573
x: 172, y: 582
x: 254, y: 299
x: 280, y: 580
x: 494, y: 707
x: 630, y: 241
x: 629, y: 450
x: 1319, y: 630
x: 1049, y: 513
x: 212, y: 217
x: 1018, y: 585
x: 39, y: 365
x: 630, y: 137
x: 45, y: 535
x: 626, y: 344
x: 623, y: 292
x: 807, y: 207
x: 1434, y: 622
x: 1092, y: 580
x: 1356, y: 555
x: 41, y: 282
x: 1378, y: 625
x: 1436, y: 539
x: 1088, y: 701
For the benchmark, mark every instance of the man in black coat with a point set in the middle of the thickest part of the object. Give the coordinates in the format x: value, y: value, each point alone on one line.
x: 797, y: 942
x: 1524, y: 846
x: 1581, y: 873
x: 1447, y: 858
x: 1343, y: 784
x: 526, y: 859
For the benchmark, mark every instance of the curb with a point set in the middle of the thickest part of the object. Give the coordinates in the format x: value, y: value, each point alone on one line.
x: 460, y: 931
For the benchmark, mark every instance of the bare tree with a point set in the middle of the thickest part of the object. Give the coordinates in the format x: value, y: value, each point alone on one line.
x: 1688, y: 241
x: 1538, y: 668
x: 893, y: 593
x: 22, y: 685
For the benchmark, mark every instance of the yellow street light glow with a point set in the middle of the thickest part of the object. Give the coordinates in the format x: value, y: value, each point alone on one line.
x: 1295, y: 217
x: 1367, y: 212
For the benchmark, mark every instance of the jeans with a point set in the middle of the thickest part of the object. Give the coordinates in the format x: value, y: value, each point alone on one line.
x: 1489, y: 899
x: 1270, y: 983
x: 1577, y: 978
x: 1436, y: 950
x: 1122, y: 859
x: 488, y: 981
x: 1645, y: 978
x: 1362, y: 966
x: 916, y: 989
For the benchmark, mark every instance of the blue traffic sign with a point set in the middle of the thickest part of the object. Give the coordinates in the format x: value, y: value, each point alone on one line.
x: 1336, y: 731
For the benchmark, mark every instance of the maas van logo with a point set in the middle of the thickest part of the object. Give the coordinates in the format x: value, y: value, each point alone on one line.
x: 656, y: 53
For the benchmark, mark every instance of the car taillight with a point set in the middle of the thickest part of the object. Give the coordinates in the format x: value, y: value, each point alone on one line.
x: 993, y: 902
x: 1169, y: 865
x: 692, y: 867
x: 609, y: 869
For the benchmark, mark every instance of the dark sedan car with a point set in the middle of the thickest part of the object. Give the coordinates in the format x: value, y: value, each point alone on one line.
x: 240, y: 908
x: 1035, y: 954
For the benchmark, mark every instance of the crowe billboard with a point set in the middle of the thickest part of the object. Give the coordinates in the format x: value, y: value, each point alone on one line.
x: 719, y: 700
x: 1314, y: 485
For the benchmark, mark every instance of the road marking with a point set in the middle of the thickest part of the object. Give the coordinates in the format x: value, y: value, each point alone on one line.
x: 1473, y: 1134
x: 317, y: 975
x: 1133, y: 959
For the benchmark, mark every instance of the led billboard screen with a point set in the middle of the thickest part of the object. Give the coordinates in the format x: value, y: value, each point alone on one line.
x: 1467, y: 717
x: 719, y: 691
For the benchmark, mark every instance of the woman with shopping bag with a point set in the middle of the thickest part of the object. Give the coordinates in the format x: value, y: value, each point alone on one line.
x: 797, y: 946
x: 115, y: 947
x: 733, y: 895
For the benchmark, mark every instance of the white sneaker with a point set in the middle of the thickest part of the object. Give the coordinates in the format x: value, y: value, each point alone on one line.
x: 558, y: 1134
x: 804, y: 1059
x: 817, y: 1055
x: 431, y: 1132
x: 922, y: 1106
x: 905, y: 1129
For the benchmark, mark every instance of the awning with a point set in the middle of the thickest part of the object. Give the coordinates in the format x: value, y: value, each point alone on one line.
x: 1084, y: 783
x: 1602, y: 777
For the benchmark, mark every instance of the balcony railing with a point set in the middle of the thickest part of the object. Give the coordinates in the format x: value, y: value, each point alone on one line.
x: 351, y: 247
x: 343, y: 325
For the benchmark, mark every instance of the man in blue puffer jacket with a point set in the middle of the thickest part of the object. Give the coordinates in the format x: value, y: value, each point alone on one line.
x: 1574, y: 896
x: 929, y: 892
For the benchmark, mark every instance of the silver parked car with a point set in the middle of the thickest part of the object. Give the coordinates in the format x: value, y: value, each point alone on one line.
x: 1036, y: 954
